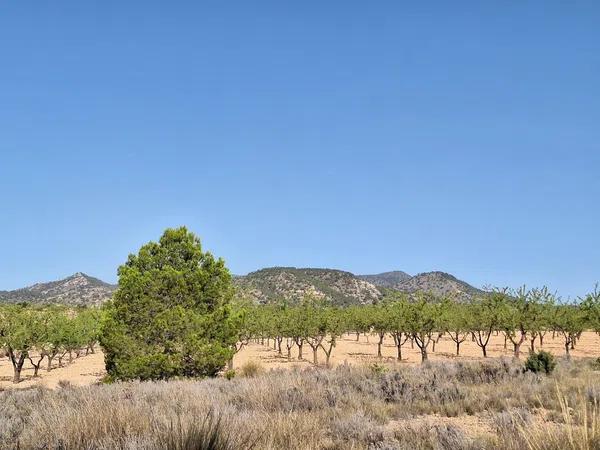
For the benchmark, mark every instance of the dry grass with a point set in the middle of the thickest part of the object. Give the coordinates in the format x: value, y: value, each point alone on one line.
x: 458, y: 405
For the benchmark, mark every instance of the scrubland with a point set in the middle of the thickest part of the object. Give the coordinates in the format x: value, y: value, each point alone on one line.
x: 459, y: 404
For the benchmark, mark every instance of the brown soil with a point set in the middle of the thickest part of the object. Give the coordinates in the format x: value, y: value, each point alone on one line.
x: 89, y: 369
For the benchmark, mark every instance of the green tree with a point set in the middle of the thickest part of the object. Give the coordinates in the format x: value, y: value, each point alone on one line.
x: 422, y: 318
x: 456, y: 321
x: 541, y: 304
x: 397, y: 325
x: 591, y: 309
x: 570, y: 321
x: 486, y: 318
x: 170, y: 315
x: 18, y: 335
x: 380, y: 323
x: 336, y: 321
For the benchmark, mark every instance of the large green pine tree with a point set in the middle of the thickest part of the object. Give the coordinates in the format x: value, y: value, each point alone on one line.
x: 170, y: 315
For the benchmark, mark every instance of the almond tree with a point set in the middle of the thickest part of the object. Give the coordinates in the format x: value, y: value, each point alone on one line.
x: 421, y: 322
x: 569, y: 320
x: 379, y: 321
x: 335, y: 325
x: 42, y: 323
x: 486, y: 318
x: 17, y: 336
x: 541, y: 303
x: 591, y: 309
x: 396, y: 316
x: 517, y: 316
x: 456, y: 321
x: 358, y: 320
x: 56, y: 336
x: 314, y: 327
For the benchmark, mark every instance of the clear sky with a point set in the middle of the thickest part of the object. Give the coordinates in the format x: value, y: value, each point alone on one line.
x: 365, y: 136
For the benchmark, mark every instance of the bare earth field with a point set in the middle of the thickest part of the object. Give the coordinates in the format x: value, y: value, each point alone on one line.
x: 89, y: 369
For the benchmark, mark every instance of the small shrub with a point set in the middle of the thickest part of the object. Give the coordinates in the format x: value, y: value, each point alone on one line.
x: 251, y: 369
x: 596, y: 364
x: 378, y: 368
x: 540, y: 362
x: 64, y: 384
x: 229, y: 374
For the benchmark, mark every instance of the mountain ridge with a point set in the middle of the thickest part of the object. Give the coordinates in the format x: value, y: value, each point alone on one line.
x: 78, y: 289
x: 266, y: 285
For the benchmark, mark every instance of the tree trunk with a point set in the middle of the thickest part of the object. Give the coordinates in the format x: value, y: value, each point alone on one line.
x: 381, y: 337
x: 49, y: 367
x: 17, y: 366
x: 315, y: 357
x: 300, y: 349
x: 517, y: 349
x: 457, y: 348
x: 423, y: 354
x: 399, y: 347
x: 533, y: 344
x: 357, y: 336
x: 483, y: 348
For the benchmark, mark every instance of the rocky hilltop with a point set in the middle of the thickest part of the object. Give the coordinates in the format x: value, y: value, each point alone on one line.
x: 345, y: 288
x: 77, y: 290
x: 389, y: 280
x: 292, y: 284
x: 439, y: 283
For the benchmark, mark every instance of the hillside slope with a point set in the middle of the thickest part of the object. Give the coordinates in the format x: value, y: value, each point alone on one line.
x: 386, y: 279
x: 77, y: 290
x: 438, y: 283
x: 293, y: 284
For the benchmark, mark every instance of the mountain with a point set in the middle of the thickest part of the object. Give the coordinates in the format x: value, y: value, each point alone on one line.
x: 76, y: 290
x: 293, y: 284
x: 439, y: 283
x: 345, y: 288
x: 387, y: 280
x: 266, y: 285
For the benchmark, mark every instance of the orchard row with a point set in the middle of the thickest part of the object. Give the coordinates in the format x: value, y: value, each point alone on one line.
x: 523, y: 317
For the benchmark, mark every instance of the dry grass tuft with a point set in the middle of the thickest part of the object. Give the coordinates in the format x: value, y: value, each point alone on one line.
x: 251, y: 369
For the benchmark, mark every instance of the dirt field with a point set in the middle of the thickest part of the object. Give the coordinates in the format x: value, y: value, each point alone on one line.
x: 89, y: 369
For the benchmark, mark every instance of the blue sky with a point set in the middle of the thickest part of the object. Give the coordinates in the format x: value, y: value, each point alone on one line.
x: 363, y: 136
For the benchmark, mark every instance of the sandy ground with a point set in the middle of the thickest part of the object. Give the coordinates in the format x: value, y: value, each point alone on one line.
x: 81, y: 372
x: 90, y: 369
x: 349, y: 351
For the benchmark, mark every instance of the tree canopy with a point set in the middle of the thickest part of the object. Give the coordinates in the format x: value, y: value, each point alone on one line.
x: 170, y: 316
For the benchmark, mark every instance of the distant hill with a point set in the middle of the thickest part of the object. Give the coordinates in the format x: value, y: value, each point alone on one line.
x: 77, y: 290
x: 438, y: 283
x: 265, y: 286
x: 386, y: 279
x: 293, y: 284
x: 345, y: 288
